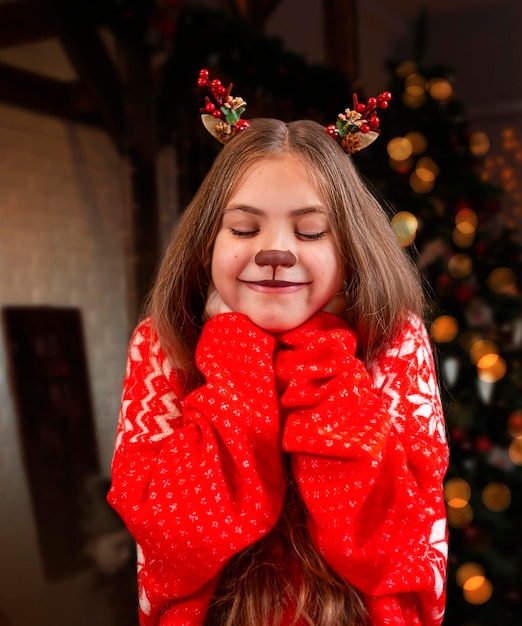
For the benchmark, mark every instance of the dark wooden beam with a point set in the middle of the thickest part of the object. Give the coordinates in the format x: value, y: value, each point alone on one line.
x: 24, y: 22
x: 78, y: 33
x: 46, y: 95
x: 341, y: 37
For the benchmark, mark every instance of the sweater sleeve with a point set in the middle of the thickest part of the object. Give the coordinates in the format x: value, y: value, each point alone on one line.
x: 197, y: 479
x: 369, y: 454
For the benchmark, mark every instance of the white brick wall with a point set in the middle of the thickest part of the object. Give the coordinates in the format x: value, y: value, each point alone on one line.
x: 62, y: 234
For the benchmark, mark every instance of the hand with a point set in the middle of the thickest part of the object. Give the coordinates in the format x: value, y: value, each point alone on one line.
x: 215, y: 304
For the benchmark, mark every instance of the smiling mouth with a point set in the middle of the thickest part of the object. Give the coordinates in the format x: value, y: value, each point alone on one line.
x: 273, y: 284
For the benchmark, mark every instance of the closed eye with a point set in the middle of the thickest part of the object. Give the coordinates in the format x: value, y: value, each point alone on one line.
x: 310, y: 236
x: 244, y: 233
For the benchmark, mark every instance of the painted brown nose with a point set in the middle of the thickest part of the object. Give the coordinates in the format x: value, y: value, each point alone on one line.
x: 275, y: 258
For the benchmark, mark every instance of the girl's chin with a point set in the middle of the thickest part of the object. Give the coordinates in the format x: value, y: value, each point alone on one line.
x: 277, y: 326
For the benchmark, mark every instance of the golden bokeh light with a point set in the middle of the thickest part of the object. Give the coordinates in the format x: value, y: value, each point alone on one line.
x: 405, y: 226
x: 406, y: 68
x: 399, y: 148
x: 444, y: 328
x: 480, y: 348
x: 515, y: 450
x: 466, y: 216
x: 420, y: 186
x: 440, y: 89
x: 413, y: 101
x: 402, y: 166
x: 503, y: 280
x: 460, y: 265
x: 477, y: 590
x: 463, y: 239
x: 479, y: 143
x: 466, y: 228
x: 468, y: 570
x: 418, y: 142
x: 427, y: 169
x: 457, y: 493
x: 415, y: 85
x: 514, y: 423
x: 459, y: 517
x: 496, y: 497
x: 491, y: 368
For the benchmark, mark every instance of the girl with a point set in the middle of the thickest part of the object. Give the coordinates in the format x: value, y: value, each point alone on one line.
x: 281, y: 448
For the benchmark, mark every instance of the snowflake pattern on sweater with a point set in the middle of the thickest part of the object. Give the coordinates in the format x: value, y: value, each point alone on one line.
x: 198, y: 477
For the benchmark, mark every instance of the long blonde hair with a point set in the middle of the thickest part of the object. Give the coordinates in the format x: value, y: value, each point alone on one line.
x: 382, y: 284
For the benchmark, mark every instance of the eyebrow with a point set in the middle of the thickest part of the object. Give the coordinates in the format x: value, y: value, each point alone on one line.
x: 293, y: 213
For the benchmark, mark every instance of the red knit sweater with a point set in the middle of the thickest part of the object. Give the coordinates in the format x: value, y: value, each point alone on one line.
x: 198, y: 478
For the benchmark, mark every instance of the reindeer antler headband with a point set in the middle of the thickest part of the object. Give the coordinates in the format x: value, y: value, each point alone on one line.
x: 355, y: 128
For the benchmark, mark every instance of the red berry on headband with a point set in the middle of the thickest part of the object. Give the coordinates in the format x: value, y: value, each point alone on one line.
x: 242, y: 125
x: 383, y: 104
x: 374, y: 122
x: 365, y: 128
x: 371, y: 102
x: 333, y: 131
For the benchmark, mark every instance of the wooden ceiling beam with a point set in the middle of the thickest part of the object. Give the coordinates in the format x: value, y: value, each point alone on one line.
x: 76, y: 27
x: 340, y: 37
x: 41, y: 94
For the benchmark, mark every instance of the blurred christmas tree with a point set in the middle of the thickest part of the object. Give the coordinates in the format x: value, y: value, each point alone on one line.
x: 430, y: 167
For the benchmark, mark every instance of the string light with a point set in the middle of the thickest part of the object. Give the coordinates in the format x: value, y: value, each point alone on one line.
x: 405, y: 226
x: 477, y: 590
x: 418, y: 142
x: 420, y: 186
x: 444, y: 328
x: 514, y: 423
x: 491, y: 368
x: 440, y: 89
x: 515, y: 450
x: 496, y: 497
x: 413, y: 101
x: 399, y: 148
x: 415, y: 85
x: 427, y: 170
x: 466, y: 220
x: 502, y: 280
x: 460, y: 265
x: 479, y: 143
x: 459, y: 517
x: 481, y: 348
x: 406, y: 68
x: 462, y: 240
x: 468, y: 570
x: 504, y: 168
x: 457, y: 493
